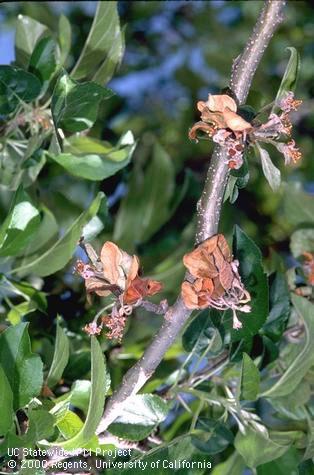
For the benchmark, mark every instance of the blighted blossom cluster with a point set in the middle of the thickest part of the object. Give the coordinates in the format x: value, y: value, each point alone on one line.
x: 216, y: 280
x: 223, y: 124
x: 117, y: 274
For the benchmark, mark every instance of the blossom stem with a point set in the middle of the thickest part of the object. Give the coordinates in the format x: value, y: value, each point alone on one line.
x: 102, y: 311
x: 209, y: 210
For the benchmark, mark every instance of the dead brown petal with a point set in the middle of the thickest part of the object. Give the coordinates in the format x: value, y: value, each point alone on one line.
x: 216, y: 118
x: 226, y: 276
x: 139, y: 288
x: 117, y: 264
x: 235, y: 122
x: 218, y: 103
x: 206, y: 128
x: 218, y: 289
x: 189, y: 295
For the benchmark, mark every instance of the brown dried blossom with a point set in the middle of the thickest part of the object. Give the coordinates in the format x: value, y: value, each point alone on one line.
x: 119, y: 276
x: 217, y: 281
x: 308, y: 267
x: 221, y: 122
x: 116, y: 274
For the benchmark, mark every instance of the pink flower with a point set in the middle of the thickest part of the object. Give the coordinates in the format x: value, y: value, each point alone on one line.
x: 92, y: 328
x: 236, y: 324
x: 288, y: 103
x: 290, y: 152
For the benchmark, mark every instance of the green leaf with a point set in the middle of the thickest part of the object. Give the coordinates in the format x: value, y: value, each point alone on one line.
x: 60, y: 357
x: 75, y: 106
x: 305, y: 468
x: 40, y: 426
x: 255, y: 281
x: 234, y: 465
x: 201, y: 335
x: 298, y: 206
x: 78, y: 366
x: 16, y: 87
x: 93, y: 228
x: 289, y: 381
x: 96, y: 402
x: 70, y: 424
x: 43, y: 62
x: 47, y: 229
x: 112, y: 61
x: 104, y: 46
x: 19, y: 311
x: 28, y: 32
x: 309, y: 452
x: 29, y: 468
x: 286, y: 464
x: 23, y: 368
x: 215, y: 438
x: 59, y: 254
x: 29, y: 293
x: 6, y: 403
x: 96, y: 166
x: 64, y: 37
x: 147, y: 206
x: 279, y: 300
x: 272, y: 173
x: 167, y: 457
x: 139, y: 417
x: 19, y: 226
x: 20, y: 168
x: 80, y: 394
x: 256, y: 448
x: 290, y: 76
x: 301, y: 241
x: 250, y: 379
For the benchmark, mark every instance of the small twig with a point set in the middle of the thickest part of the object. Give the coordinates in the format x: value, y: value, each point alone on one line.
x: 91, y: 254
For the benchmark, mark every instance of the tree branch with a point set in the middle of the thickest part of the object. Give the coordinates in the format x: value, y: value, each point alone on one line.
x: 208, y: 214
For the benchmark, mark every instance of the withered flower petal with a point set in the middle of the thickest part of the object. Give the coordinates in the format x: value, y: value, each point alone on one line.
x: 189, y: 295
x: 217, y: 282
x: 201, y: 126
x: 219, y: 102
x: 216, y: 118
x: 139, y: 288
x: 308, y: 267
x: 235, y: 122
x: 116, y: 264
x: 226, y: 275
x: 220, y: 110
x: 119, y: 276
